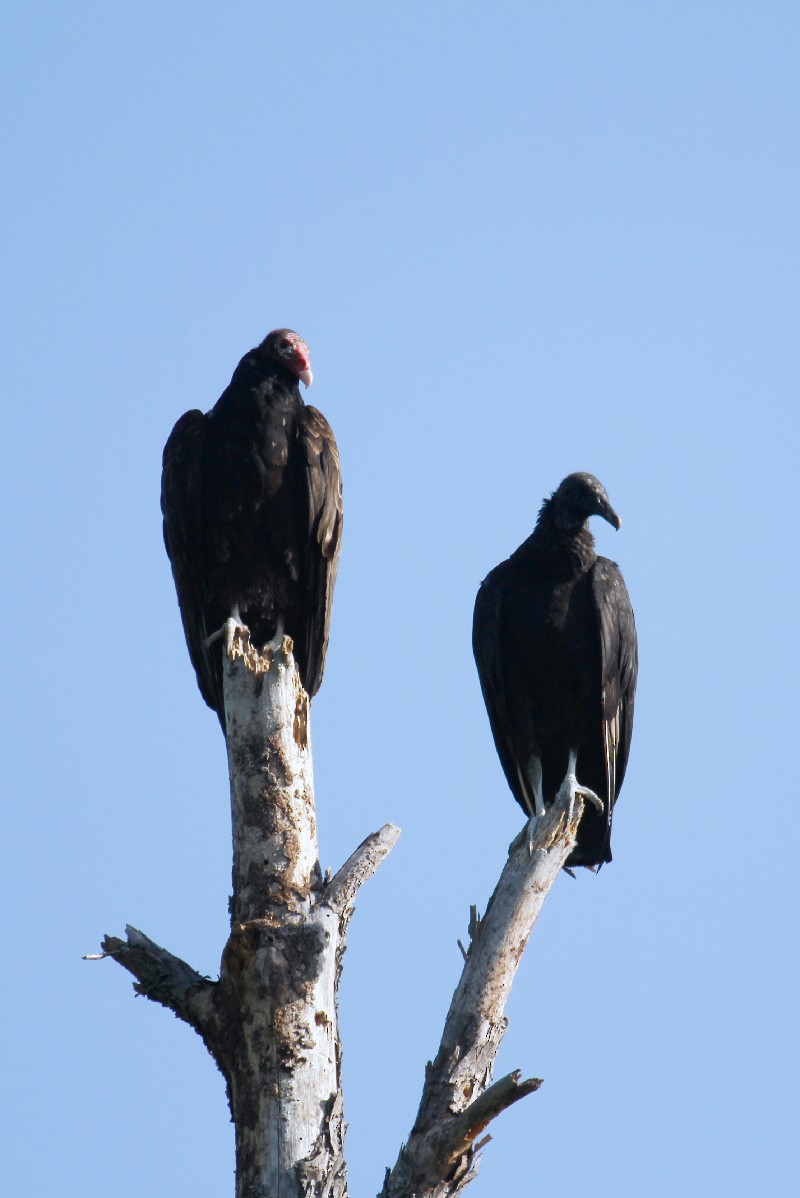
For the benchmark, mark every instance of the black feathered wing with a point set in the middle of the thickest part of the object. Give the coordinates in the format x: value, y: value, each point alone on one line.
x: 619, y: 665
x: 320, y: 457
x: 182, y: 508
x: 486, y: 620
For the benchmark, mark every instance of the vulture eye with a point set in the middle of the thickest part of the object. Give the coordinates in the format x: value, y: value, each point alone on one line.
x: 284, y: 343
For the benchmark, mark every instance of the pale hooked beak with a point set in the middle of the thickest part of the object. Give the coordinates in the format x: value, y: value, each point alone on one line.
x: 603, y: 508
x: 305, y: 376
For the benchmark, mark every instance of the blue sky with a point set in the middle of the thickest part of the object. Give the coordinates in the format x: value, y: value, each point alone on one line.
x: 520, y: 239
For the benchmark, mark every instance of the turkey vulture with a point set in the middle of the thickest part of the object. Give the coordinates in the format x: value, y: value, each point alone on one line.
x: 555, y: 645
x: 251, y: 494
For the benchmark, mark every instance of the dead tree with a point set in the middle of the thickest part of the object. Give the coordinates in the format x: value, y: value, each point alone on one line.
x: 270, y: 1021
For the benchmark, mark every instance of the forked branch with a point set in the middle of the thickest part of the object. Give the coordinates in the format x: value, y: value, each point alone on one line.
x: 458, y: 1102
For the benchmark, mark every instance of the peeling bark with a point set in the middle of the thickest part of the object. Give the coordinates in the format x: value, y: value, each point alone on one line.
x: 275, y: 858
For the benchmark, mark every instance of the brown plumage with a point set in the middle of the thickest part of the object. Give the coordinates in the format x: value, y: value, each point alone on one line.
x: 251, y: 494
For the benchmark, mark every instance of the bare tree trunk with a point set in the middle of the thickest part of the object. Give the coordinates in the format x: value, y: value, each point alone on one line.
x: 279, y: 968
x: 270, y: 1022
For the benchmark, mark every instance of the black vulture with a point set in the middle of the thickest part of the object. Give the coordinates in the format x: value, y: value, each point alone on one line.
x: 555, y: 645
x: 251, y: 494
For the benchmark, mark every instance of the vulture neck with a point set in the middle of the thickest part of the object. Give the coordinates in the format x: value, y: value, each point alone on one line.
x: 569, y: 549
x: 266, y: 380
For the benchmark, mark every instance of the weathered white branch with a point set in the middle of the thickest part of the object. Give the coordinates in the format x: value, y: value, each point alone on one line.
x: 161, y: 975
x: 498, y: 1098
x: 359, y: 868
x: 166, y: 979
x: 445, y: 1151
x: 457, y: 1100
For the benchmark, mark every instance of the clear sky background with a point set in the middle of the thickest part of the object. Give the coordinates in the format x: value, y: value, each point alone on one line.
x: 521, y: 239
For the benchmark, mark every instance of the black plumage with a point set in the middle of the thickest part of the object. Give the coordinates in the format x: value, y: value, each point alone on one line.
x: 251, y: 495
x: 555, y: 645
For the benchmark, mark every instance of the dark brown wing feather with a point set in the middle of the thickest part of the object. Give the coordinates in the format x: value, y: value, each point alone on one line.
x: 619, y: 669
x: 182, y: 508
x: 486, y: 648
x: 324, y: 488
